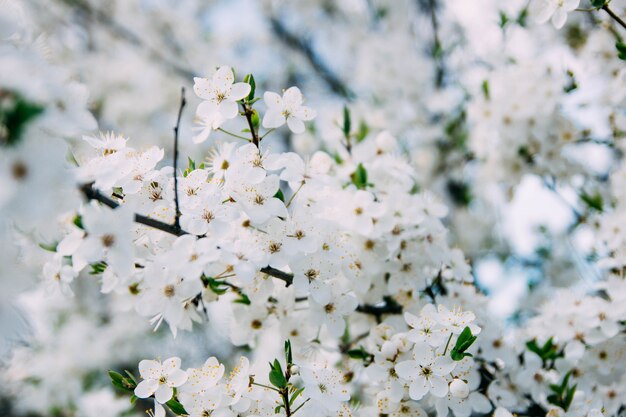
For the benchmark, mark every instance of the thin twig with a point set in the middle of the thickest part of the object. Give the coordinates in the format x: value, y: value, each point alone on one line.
x: 176, y: 129
x: 248, y: 112
x: 615, y: 17
x: 93, y: 194
x: 233, y: 134
x: 293, y: 41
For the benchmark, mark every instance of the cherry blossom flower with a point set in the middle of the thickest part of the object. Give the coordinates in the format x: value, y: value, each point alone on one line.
x: 160, y: 379
x: 287, y: 108
x: 221, y: 91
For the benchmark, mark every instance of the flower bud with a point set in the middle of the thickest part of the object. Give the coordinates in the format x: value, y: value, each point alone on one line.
x: 459, y: 388
x: 294, y: 369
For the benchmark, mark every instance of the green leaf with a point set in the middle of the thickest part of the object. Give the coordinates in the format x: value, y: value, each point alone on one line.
x: 243, y: 299
x: 463, y: 342
x: 122, y: 382
x: 214, y: 285
x: 485, y: 87
x: 255, y: 119
x: 598, y: 3
x: 133, y: 398
x: 288, y: 352
x: 250, y: 80
x: 594, y: 201
x: 176, y: 407
x: 98, y: 268
x: 78, y: 221
x: 359, y: 177
x: 522, y: 18
x: 295, y: 395
x: 50, y: 247
x: 131, y: 376
x: 362, y: 132
x: 347, y: 123
x: 504, y: 19
x: 277, y: 377
x: 359, y: 353
x: 15, y: 116
x: 279, y: 195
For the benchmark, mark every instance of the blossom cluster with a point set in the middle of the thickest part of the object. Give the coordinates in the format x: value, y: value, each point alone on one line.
x: 349, y: 242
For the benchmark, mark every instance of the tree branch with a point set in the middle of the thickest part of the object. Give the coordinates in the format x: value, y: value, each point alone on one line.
x: 615, y: 17
x: 92, y: 194
x: 293, y: 41
x: 123, y: 32
x: 176, y: 129
x: 248, y: 112
x: 389, y: 307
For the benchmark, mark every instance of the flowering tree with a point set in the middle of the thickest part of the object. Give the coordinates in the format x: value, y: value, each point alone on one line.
x: 335, y: 274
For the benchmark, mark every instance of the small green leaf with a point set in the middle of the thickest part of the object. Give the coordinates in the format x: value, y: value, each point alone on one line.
x: 362, y: 132
x: 78, y: 221
x: 255, y: 119
x: 359, y: 177
x: 15, y: 116
x: 243, y: 299
x: 295, y: 395
x: 486, y: 91
x: 288, y: 352
x: 594, y: 201
x: 122, y: 382
x: 98, y: 268
x: 463, y: 342
x: 276, y: 376
x: 359, y: 353
x: 50, y: 247
x: 250, y: 80
x: 176, y: 407
x: 347, y: 123
x: 279, y: 195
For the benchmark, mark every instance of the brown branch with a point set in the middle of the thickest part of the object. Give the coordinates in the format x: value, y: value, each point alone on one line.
x: 92, y: 194
x: 389, y: 307
x: 248, y: 112
x: 615, y: 17
x: 304, y: 47
x: 176, y: 129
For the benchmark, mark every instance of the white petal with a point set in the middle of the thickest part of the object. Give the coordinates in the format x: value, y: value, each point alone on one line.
x: 335, y: 324
x: 407, y: 370
x: 146, y: 388
x: 159, y: 411
x: 305, y: 113
x: 423, y: 353
x: 203, y: 88
x: 418, y: 389
x: 273, y: 118
x: 223, y: 78
x: 272, y: 100
x: 295, y: 125
x: 201, y: 137
x: 149, y: 369
x: 228, y: 109
x: 292, y: 97
x: 163, y: 394
x: 439, y: 386
x: 559, y: 18
x: 177, y: 378
x: 239, y: 91
x: 171, y: 364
